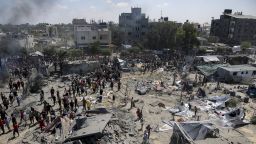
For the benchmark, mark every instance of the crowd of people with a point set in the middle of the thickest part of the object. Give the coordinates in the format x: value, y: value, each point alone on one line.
x: 62, y: 103
x: 16, y: 88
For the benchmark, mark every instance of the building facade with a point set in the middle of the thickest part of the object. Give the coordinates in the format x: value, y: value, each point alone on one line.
x: 21, y: 40
x: 234, y: 28
x: 133, y: 25
x: 51, y: 31
x: 86, y: 34
x: 236, y: 73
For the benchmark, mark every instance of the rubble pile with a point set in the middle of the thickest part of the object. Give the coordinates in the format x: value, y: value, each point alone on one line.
x: 120, y: 129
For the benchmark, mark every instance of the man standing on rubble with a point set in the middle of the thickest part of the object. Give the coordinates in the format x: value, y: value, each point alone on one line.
x: 132, y: 103
x: 195, y: 108
x: 15, y: 129
x: 111, y: 84
x: 76, y: 102
x: 52, y: 92
x: 148, y: 128
x: 119, y: 85
x: 54, y: 99
x: 23, y: 117
x: 59, y: 99
x: 41, y: 96
x: 145, y: 137
x: 71, y: 105
x: 84, y: 103
x: 2, y: 125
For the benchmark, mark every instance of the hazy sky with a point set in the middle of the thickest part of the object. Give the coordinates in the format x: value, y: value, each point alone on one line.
x: 63, y: 11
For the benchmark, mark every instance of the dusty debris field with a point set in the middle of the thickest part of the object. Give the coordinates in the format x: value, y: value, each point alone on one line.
x: 123, y: 127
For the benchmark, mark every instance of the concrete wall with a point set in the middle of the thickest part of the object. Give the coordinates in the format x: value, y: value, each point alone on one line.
x: 83, y: 67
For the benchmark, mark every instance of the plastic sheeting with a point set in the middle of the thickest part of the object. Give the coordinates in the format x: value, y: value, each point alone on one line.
x: 232, y: 118
x: 217, y: 101
x: 188, y: 132
x: 211, y: 59
x: 181, y: 111
x: 142, y: 88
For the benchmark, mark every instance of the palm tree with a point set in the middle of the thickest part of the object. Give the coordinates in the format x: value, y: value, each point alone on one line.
x: 61, y: 55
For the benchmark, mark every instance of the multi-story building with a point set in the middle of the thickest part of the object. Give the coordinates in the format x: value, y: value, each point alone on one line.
x: 206, y: 27
x: 133, y: 25
x: 20, y: 40
x: 86, y: 34
x: 51, y: 31
x: 233, y: 28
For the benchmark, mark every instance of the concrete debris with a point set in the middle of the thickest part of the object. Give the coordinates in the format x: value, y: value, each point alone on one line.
x: 142, y: 88
x: 155, y: 101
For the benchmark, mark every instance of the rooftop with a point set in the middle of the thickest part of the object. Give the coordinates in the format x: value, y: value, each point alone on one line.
x: 241, y: 16
x: 239, y: 68
x: 209, y: 70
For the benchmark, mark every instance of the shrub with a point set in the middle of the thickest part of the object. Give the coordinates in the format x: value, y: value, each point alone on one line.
x: 232, y: 103
x: 253, y: 120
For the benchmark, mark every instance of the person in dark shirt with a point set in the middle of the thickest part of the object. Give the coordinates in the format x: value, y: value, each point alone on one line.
x: 3, y: 114
x: 119, y: 85
x: 71, y: 105
x: 15, y: 129
x: 14, y: 120
x: 52, y: 92
x: 76, y: 102
x: 111, y: 85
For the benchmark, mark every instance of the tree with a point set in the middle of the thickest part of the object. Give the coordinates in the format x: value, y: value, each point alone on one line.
x: 190, y: 40
x: 74, y: 53
x: 173, y: 36
x: 245, y: 45
x: 95, y: 48
x: 61, y: 55
x: 116, y: 34
x: 24, y: 52
x: 49, y: 52
x: 134, y: 50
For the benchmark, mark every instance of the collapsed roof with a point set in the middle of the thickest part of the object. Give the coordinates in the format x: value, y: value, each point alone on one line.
x: 208, y: 70
x: 188, y: 132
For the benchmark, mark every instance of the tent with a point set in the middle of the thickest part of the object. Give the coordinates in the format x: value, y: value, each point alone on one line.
x: 188, y: 132
x: 232, y: 118
x: 218, y: 101
x: 211, y: 59
x: 37, y: 53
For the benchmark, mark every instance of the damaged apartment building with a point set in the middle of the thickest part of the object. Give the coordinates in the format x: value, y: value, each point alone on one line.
x: 86, y: 34
x: 234, y: 28
x: 21, y: 40
x: 133, y: 25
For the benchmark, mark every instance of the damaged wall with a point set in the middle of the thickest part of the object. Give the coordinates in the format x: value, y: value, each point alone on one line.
x: 83, y: 67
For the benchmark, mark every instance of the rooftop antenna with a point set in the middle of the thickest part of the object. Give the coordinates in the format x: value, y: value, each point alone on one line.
x: 161, y: 13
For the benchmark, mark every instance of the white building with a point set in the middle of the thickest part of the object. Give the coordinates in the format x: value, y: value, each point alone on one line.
x: 236, y: 73
x: 86, y: 34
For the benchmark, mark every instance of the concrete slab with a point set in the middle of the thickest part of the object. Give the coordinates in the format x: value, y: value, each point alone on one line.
x: 93, y: 126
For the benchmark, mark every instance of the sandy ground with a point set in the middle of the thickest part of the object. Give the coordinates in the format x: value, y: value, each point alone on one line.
x: 153, y: 115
